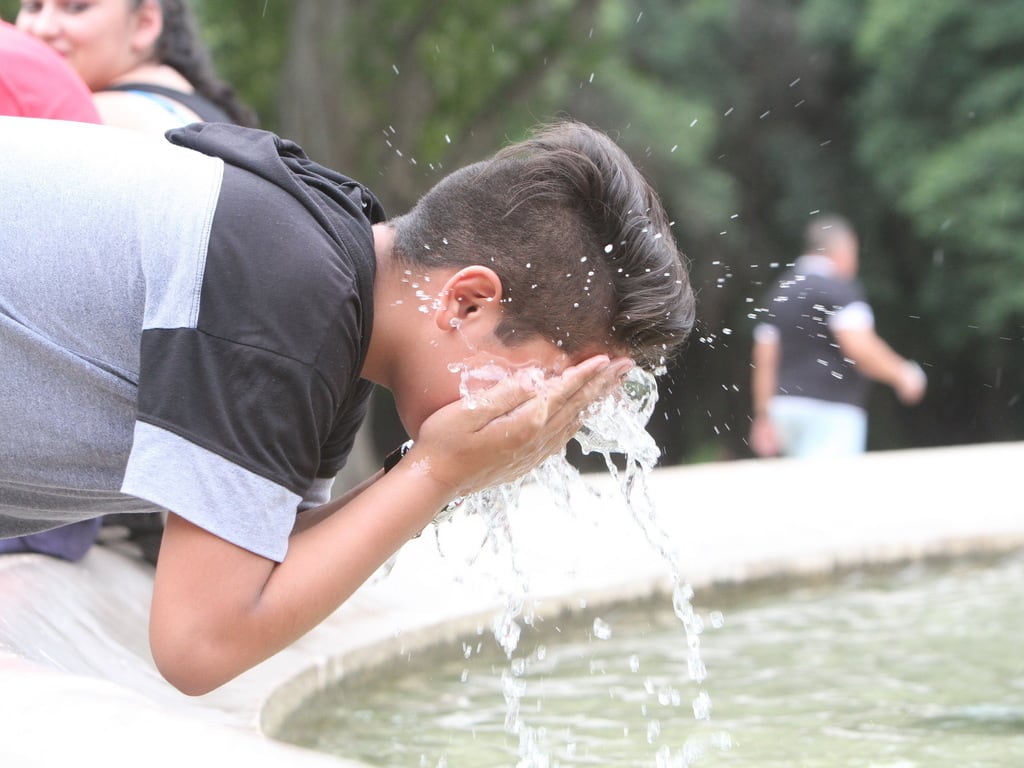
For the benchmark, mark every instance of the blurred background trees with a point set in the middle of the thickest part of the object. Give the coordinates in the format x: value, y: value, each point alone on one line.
x: 748, y: 116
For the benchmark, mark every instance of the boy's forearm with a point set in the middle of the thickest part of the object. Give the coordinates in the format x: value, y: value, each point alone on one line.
x: 260, y: 607
x: 311, y: 517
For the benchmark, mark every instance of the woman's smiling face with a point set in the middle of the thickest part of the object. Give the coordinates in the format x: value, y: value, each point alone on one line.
x: 101, y: 39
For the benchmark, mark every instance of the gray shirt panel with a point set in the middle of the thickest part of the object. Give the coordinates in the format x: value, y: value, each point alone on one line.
x: 100, y: 229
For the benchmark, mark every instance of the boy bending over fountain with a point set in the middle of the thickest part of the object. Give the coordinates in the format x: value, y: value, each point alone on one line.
x: 195, y: 326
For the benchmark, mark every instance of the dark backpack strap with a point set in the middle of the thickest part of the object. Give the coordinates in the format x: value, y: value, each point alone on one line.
x: 202, y: 106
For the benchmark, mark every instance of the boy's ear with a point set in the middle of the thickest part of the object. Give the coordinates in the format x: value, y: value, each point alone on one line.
x: 472, y: 294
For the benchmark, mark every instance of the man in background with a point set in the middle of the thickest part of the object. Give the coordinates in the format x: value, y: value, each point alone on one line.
x: 816, y: 352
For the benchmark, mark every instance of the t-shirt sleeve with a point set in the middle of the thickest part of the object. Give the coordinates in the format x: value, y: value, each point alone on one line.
x: 766, y: 333
x: 854, y: 316
x: 210, y: 491
x: 227, y: 436
x: 851, y: 310
x: 248, y: 355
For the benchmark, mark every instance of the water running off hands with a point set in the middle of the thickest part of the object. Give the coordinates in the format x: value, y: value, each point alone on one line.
x: 616, y: 429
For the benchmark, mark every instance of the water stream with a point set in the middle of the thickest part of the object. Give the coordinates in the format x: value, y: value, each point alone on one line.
x: 614, y: 428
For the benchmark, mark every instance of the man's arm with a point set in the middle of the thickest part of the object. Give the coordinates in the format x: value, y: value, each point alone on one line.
x: 764, y: 380
x: 875, y: 359
x: 219, y: 610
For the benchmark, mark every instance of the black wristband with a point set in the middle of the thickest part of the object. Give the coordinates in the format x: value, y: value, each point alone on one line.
x: 396, y: 455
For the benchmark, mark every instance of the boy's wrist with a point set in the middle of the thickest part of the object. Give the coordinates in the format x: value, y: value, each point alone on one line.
x: 391, y: 461
x: 396, y: 455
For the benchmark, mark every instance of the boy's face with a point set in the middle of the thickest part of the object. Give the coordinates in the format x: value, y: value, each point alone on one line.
x: 441, y: 379
x: 434, y: 339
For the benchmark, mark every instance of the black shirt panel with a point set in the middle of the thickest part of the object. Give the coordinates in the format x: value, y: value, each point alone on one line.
x: 811, y: 365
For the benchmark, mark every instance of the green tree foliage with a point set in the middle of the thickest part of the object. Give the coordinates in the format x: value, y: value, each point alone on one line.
x: 247, y: 40
x: 396, y: 91
x: 748, y: 116
x: 778, y: 150
x: 905, y: 116
x: 941, y: 126
x: 425, y: 87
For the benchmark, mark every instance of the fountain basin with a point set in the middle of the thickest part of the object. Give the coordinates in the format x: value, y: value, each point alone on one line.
x: 72, y: 637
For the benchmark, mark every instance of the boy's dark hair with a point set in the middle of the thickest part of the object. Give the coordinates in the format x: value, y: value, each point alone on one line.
x: 576, y: 234
x: 179, y: 46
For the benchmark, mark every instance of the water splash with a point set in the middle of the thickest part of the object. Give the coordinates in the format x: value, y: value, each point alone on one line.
x: 614, y: 426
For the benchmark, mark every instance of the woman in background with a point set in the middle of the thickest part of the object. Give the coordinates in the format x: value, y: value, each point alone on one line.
x: 142, y: 59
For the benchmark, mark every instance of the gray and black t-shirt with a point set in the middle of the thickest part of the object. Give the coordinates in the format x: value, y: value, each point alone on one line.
x: 182, y: 327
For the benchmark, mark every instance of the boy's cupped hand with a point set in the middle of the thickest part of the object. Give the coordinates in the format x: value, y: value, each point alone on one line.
x: 510, y: 428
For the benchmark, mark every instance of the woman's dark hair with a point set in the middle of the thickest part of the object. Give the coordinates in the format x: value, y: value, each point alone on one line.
x: 180, y: 47
x: 579, y: 239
